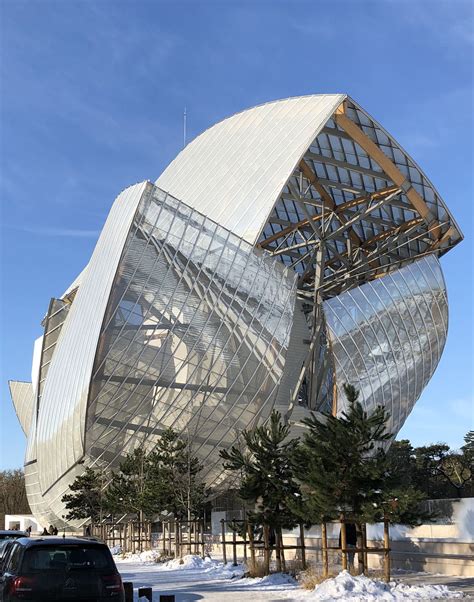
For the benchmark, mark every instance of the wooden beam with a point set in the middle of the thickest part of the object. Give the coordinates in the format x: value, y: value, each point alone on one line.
x: 288, y: 230
x: 326, y: 197
x: 345, y: 165
x: 314, y: 181
x: 391, y: 231
x: 371, y: 196
x: 446, y: 236
x: 388, y: 166
x: 378, y: 194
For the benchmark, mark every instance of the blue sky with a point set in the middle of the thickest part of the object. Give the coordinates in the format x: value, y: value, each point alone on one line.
x: 93, y: 96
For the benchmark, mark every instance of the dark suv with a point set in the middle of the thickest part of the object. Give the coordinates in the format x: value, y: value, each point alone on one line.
x: 56, y: 569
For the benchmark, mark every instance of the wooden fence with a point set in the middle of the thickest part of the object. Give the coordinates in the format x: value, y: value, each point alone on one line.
x: 188, y: 537
x: 265, y: 547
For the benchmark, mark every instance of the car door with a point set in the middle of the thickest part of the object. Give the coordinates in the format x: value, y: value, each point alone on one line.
x: 9, y: 570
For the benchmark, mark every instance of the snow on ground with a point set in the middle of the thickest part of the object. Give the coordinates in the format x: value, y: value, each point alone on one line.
x: 150, y: 556
x: 196, y: 578
x: 276, y: 581
x: 363, y: 589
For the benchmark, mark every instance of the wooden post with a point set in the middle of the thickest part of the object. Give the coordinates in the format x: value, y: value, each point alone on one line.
x: 224, y: 551
x: 176, y: 539
x: 266, y: 548
x: 343, y: 544
x: 366, y: 554
x: 324, y: 546
x: 251, y: 544
x: 197, y: 536
x: 181, y: 539
x: 203, y: 543
x: 386, y: 550
x: 170, y: 538
x: 303, y: 547
x: 234, y: 547
x: 245, y: 540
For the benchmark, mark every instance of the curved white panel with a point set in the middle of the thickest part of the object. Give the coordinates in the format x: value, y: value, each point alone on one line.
x: 23, y: 400
x: 61, y: 417
x: 235, y: 171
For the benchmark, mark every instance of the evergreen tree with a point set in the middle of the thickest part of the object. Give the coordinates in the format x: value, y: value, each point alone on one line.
x: 176, y: 476
x: 165, y: 480
x: 401, y: 461
x: 87, y: 499
x: 344, y: 470
x: 468, y: 447
x: 341, y: 462
x: 429, y: 478
x: 130, y: 489
x: 267, y: 481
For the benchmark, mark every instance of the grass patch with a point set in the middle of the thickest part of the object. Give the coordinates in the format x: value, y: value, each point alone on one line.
x: 256, y: 569
x: 312, y: 577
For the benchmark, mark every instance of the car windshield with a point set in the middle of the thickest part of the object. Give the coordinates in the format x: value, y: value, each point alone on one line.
x: 66, y: 557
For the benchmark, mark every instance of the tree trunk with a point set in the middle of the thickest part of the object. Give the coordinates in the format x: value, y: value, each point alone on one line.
x: 266, y: 543
x: 360, y: 545
x: 278, y: 549
x: 282, y: 550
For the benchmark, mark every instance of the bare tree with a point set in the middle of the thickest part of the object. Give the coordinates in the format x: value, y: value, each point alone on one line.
x: 12, y: 494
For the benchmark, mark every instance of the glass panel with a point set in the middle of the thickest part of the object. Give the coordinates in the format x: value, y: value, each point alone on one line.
x: 396, y: 338
x: 195, y: 339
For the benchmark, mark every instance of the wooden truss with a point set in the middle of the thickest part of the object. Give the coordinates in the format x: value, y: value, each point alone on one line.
x: 364, y: 230
x: 348, y: 214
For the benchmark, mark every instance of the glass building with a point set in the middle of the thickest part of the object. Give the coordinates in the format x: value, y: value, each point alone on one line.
x: 287, y: 250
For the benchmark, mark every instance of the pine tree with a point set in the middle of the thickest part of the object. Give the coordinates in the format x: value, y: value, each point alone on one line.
x: 176, y: 476
x: 267, y: 481
x: 87, y: 499
x: 341, y: 461
x: 129, y: 490
x: 165, y: 480
x: 468, y: 447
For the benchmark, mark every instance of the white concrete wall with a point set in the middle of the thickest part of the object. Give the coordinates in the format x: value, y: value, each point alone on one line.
x: 23, y: 521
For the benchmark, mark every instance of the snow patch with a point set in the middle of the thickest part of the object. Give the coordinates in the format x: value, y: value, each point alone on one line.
x: 273, y: 581
x: 190, y: 561
x: 211, y: 568
x: 363, y: 589
x: 150, y: 556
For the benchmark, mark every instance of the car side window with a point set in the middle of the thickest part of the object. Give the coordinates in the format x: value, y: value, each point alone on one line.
x: 13, y: 559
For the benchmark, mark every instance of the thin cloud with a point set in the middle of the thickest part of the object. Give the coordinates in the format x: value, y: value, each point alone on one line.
x: 66, y: 232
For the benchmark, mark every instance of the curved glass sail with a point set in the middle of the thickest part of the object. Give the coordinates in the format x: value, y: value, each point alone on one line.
x: 387, y: 337
x: 194, y: 337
